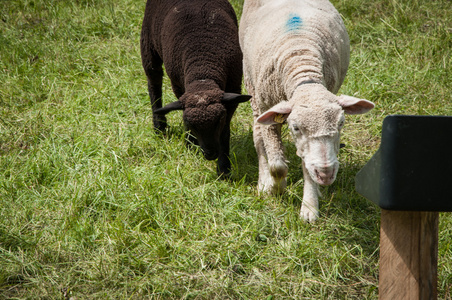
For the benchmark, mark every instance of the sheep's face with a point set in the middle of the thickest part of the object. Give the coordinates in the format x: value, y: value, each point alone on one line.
x: 316, y: 130
x: 207, y: 114
x: 205, y: 117
x: 316, y: 133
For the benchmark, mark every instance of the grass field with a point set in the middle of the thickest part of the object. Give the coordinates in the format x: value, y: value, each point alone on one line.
x: 95, y: 205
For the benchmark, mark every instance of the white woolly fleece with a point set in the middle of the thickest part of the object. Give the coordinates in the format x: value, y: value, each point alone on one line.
x: 288, y: 42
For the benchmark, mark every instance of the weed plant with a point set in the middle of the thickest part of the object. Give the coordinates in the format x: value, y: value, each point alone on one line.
x: 95, y: 205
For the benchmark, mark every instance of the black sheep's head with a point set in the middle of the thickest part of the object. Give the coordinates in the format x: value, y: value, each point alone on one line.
x: 206, y: 122
x: 207, y: 115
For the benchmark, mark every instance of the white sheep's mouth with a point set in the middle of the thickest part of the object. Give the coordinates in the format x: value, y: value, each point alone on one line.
x: 324, y: 180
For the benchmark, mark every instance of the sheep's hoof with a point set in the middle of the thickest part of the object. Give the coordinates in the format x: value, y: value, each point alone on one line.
x: 308, y: 213
x: 272, y: 186
x: 159, y: 123
x: 224, y: 170
x: 224, y: 175
x: 160, y: 129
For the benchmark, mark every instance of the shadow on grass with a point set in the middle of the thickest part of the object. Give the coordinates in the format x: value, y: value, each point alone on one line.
x: 244, y: 158
x: 343, y: 212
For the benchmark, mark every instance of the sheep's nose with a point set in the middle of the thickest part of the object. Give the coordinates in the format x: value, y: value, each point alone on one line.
x: 210, y: 154
x: 326, y: 175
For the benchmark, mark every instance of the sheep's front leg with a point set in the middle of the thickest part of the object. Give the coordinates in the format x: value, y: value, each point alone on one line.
x: 223, y: 162
x: 310, y: 205
x: 265, y: 180
x: 154, y: 72
x: 272, y: 164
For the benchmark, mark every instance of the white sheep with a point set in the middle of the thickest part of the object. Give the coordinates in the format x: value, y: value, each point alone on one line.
x: 296, y: 55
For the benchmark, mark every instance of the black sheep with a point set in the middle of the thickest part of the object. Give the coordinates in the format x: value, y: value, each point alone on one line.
x: 197, y: 41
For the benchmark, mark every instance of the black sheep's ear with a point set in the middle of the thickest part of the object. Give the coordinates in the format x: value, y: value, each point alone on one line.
x: 233, y: 98
x: 176, y: 105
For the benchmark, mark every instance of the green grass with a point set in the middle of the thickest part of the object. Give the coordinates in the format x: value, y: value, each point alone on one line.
x: 95, y: 205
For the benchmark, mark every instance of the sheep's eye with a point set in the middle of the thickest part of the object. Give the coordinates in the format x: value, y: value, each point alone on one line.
x: 341, y: 123
x: 295, y: 128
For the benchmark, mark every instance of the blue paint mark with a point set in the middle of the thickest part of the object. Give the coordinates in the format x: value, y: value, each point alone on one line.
x: 293, y: 23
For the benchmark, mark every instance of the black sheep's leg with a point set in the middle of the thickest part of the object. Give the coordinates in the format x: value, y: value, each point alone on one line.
x: 224, y: 163
x: 154, y: 73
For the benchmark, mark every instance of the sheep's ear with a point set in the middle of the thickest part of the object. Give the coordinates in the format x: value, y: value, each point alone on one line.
x: 233, y: 98
x: 176, y: 105
x: 276, y: 115
x: 355, y: 106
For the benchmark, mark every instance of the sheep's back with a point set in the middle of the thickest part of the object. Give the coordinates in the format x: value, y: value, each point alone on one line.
x: 196, y: 39
x: 281, y: 38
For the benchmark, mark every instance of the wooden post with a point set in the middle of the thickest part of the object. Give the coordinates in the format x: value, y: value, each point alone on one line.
x: 408, y: 255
